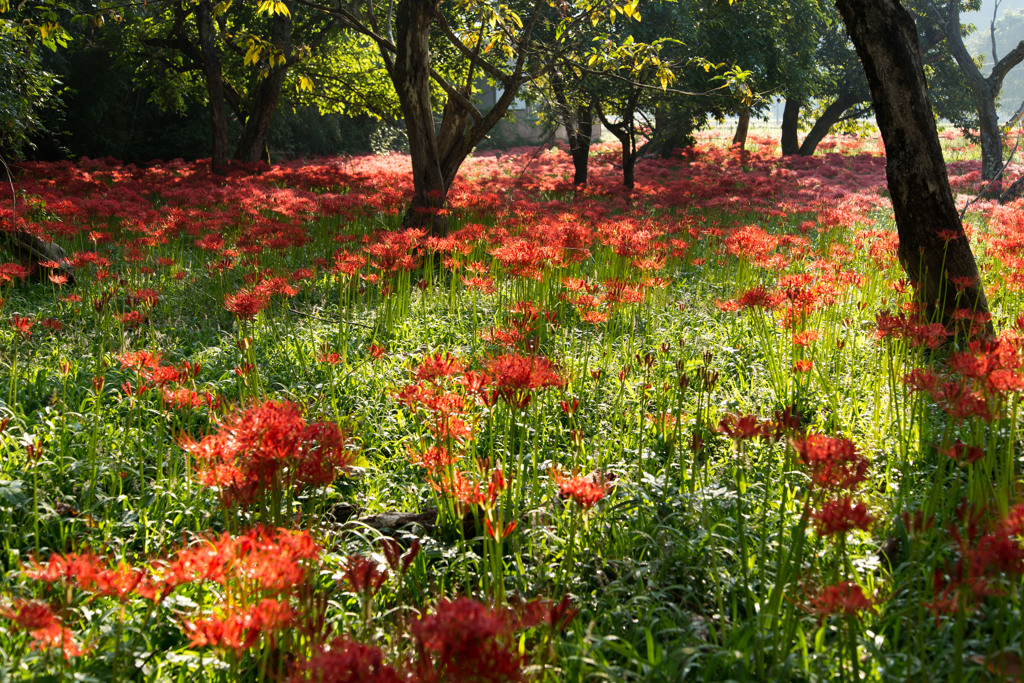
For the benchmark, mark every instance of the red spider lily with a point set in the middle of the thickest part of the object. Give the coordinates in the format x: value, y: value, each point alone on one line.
x: 516, y: 376
x: 132, y: 319
x: 139, y: 360
x: 842, y: 598
x: 364, y: 575
x: 963, y: 454
x: 833, y: 463
x: 396, y: 559
x: 9, y: 271
x: 921, y: 379
x: 497, y: 533
x: 432, y: 459
x: 433, y: 368
x: 245, y: 304
x: 742, y: 427
x: 345, y: 661
x: 465, y: 641
x: 329, y: 358
x: 555, y: 615
x: 22, y: 325
x: 468, y: 492
x: 92, y: 574
x: 840, y: 515
x: 376, y: 352
x: 447, y: 428
x: 269, y: 560
x: 187, y: 398
x: 803, y: 366
x: 805, y: 338
x: 961, y: 402
x: 238, y: 629
x: 584, y: 491
x: 269, y: 443
x: 146, y: 297
x: 759, y: 297
x: 43, y: 626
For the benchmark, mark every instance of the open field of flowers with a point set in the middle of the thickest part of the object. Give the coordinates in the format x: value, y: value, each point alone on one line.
x: 698, y: 432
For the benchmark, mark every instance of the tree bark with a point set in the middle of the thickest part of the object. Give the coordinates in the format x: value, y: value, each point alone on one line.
x: 625, y: 133
x: 933, y: 248
x: 790, y: 140
x: 742, y: 127
x: 832, y: 115
x: 578, y: 122
x: 252, y: 146
x: 412, y: 84
x: 214, y: 78
x: 579, y: 144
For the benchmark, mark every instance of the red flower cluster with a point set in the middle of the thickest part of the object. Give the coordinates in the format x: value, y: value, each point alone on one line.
x: 466, y: 641
x: 584, y: 491
x: 842, y: 598
x: 515, y: 377
x: 833, y: 463
x: 269, y: 444
x: 43, y: 626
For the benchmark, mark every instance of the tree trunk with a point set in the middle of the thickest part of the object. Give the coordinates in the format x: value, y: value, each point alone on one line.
x: 740, y: 138
x: 991, y: 138
x: 579, y: 144
x: 933, y: 248
x: 252, y: 146
x: 214, y: 87
x: 412, y: 84
x: 628, y: 159
x: 790, y: 123
x: 831, y: 116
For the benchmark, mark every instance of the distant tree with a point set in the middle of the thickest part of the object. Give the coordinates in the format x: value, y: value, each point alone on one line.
x: 836, y: 93
x: 985, y: 90
x: 234, y: 56
x: 26, y: 89
x: 933, y: 249
x: 479, y: 39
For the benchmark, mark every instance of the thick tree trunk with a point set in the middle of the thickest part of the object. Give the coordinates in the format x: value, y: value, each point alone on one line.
x: 578, y: 122
x: 790, y: 127
x: 214, y: 87
x: 579, y: 144
x: 991, y: 138
x: 412, y: 84
x: 831, y: 116
x: 252, y: 146
x: 628, y: 160
x: 740, y: 138
x: 933, y: 249
x: 625, y: 134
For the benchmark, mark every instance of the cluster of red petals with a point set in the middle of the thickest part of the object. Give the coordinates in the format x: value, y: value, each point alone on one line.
x: 833, y: 463
x: 267, y: 444
x: 584, y: 491
x: 44, y: 627
x: 246, y: 304
x: 915, y: 333
x: 468, y: 641
x: 742, y: 427
x: 271, y: 560
x: 346, y: 661
x: 515, y: 377
x: 845, y: 598
x: 238, y: 628
x: 468, y: 491
x: 840, y: 515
